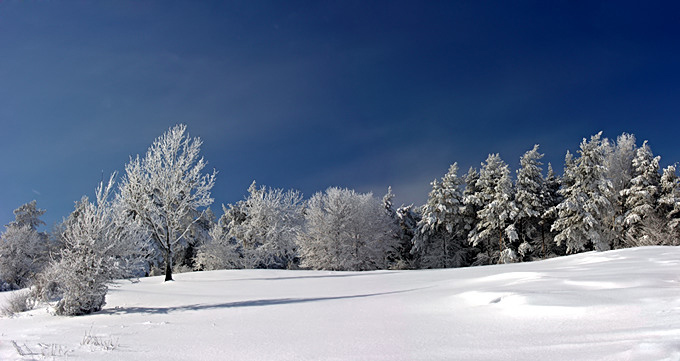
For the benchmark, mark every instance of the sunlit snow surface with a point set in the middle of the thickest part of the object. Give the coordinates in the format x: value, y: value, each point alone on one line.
x: 618, y: 305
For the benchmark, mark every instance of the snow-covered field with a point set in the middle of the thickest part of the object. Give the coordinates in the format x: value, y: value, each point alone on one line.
x: 618, y: 305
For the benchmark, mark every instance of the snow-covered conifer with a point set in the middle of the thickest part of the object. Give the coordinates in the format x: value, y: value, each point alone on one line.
x: 552, y: 198
x: 586, y: 200
x: 440, y: 235
x: 495, y: 230
x: 23, y: 250
x: 28, y: 215
x: 22, y: 255
x: 407, y: 220
x: 471, y: 203
x: 165, y: 187
x: 530, y: 199
x: 669, y: 205
x: 640, y: 197
x: 344, y: 230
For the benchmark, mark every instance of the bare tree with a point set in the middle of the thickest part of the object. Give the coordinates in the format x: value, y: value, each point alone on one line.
x: 165, y: 187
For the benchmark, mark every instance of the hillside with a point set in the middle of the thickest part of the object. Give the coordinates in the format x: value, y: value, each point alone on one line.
x: 617, y: 305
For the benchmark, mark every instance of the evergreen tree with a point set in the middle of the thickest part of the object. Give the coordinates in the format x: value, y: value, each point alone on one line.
x: 531, y: 202
x: 28, y: 215
x: 471, y: 205
x: 24, y: 251
x: 495, y: 230
x: 641, y: 196
x: 586, y: 200
x: 552, y: 184
x: 407, y: 220
x: 440, y: 236
x: 669, y: 205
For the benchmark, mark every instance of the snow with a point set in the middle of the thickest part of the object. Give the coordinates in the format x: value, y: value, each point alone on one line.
x: 615, y: 305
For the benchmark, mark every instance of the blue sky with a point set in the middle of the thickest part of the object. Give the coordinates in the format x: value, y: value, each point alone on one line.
x: 307, y: 95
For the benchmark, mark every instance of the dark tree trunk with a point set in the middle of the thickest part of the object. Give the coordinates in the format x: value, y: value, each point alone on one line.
x: 168, y: 263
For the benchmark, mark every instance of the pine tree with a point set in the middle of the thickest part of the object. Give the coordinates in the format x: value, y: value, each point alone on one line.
x: 471, y: 205
x: 28, y: 215
x: 669, y: 205
x: 440, y: 236
x: 407, y: 220
x: 641, y: 196
x: 586, y: 200
x: 497, y: 212
x: 530, y: 199
x: 24, y: 251
x: 552, y: 184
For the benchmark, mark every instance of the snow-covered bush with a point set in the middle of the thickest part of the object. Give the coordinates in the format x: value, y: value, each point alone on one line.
x: 100, y: 243
x: 345, y: 230
x: 16, y: 302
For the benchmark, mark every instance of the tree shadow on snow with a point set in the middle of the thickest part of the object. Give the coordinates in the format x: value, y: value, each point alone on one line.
x: 251, y: 303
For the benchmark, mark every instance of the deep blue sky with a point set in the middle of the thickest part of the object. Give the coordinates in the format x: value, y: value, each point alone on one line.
x: 307, y: 95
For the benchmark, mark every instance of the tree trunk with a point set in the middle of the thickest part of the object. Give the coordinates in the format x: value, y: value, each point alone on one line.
x: 168, y: 264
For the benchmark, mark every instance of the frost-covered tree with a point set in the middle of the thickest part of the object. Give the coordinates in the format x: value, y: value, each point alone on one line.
x: 221, y: 251
x: 198, y: 235
x: 344, y: 230
x: 28, y: 215
x: 641, y: 195
x: 495, y: 229
x: 100, y: 243
x: 268, y: 227
x: 22, y: 255
x: 407, y: 220
x: 471, y: 204
x: 440, y: 234
x: 669, y: 206
x: 586, y: 200
x: 163, y: 189
x: 23, y: 250
x: 552, y: 198
x: 531, y: 201
x: 618, y: 162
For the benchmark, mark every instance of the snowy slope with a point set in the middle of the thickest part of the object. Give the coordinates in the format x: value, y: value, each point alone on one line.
x: 618, y: 305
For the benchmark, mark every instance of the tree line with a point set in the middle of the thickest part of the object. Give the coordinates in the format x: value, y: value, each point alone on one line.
x: 157, y: 220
